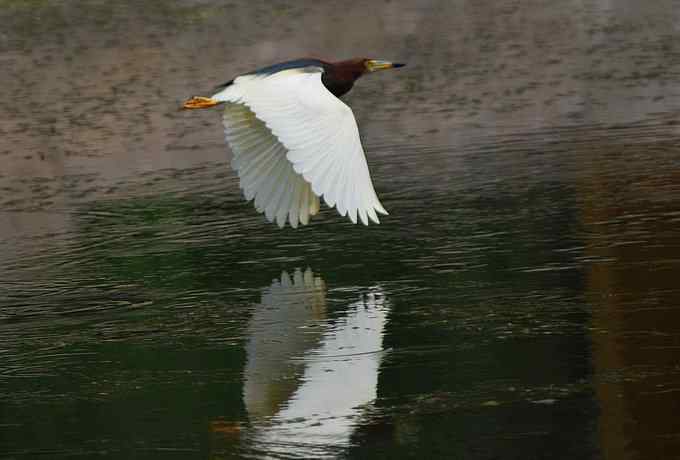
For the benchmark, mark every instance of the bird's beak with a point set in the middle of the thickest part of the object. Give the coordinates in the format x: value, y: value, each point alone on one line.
x: 377, y: 64
x: 199, y: 102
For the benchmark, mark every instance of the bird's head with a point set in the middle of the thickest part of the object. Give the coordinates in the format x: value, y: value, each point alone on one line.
x: 355, y: 68
x: 339, y: 77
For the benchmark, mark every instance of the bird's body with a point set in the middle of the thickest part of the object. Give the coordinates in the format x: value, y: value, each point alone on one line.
x: 294, y: 141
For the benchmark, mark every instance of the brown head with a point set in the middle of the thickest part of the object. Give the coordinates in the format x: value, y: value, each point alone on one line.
x: 339, y: 77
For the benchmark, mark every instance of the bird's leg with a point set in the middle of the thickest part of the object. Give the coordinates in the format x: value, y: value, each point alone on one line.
x: 199, y: 102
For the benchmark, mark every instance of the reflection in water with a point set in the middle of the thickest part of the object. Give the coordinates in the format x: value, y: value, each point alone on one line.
x: 288, y: 324
x: 308, y: 377
x: 632, y: 284
x: 529, y: 159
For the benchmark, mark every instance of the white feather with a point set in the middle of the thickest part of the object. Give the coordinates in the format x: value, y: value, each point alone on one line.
x: 293, y: 142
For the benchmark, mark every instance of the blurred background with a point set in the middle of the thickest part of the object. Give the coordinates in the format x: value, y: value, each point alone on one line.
x: 521, y: 300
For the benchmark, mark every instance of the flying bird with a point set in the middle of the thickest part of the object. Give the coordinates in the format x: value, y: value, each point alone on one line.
x: 294, y: 141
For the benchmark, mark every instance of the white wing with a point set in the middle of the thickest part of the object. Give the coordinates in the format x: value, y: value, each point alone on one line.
x: 289, y: 132
x: 264, y: 172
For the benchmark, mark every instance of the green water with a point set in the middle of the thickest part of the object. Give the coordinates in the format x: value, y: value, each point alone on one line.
x: 519, y: 302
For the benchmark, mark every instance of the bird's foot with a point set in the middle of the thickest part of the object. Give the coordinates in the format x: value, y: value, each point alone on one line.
x: 199, y: 102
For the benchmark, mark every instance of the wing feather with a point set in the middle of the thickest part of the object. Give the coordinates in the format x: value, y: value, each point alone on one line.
x: 294, y: 209
x: 304, y: 206
x: 294, y: 142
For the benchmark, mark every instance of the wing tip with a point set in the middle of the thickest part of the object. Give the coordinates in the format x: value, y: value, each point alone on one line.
x: 363, y: 216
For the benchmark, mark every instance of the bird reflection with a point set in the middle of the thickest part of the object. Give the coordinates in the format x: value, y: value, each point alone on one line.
x: 307, y: 379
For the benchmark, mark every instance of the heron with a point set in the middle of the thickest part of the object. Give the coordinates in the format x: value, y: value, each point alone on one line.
x: 294, y: 141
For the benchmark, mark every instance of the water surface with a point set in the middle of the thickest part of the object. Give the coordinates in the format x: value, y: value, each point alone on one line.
x: 520, y: 300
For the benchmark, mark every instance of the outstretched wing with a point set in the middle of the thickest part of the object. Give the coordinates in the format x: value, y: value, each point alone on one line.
x: 288, y: 133
x: 264, y: 171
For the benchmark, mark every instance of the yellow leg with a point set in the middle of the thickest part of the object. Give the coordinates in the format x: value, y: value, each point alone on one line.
x: 199, y: 102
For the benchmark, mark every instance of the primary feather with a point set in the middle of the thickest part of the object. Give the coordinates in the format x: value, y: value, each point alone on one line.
x: 293, y: 142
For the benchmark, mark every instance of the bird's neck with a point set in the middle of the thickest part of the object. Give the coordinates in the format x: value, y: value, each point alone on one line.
x: 339, y: 77
x: 337, y: 86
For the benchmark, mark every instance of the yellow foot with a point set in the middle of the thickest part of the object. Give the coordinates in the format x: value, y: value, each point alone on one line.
x: 199, y: 102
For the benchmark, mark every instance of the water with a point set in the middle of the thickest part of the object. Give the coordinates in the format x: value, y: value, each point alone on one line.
x: 520, y: 301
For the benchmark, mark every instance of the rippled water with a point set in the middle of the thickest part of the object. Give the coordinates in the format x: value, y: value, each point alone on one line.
x: 520, y: 301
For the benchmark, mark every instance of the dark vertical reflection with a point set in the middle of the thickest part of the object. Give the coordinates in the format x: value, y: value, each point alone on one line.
x: 631, y: 232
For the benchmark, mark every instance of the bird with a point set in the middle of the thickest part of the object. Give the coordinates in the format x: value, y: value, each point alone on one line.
x: 294, y: 141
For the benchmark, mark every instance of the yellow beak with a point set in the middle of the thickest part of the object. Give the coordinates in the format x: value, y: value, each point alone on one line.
x: 378, y: 64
